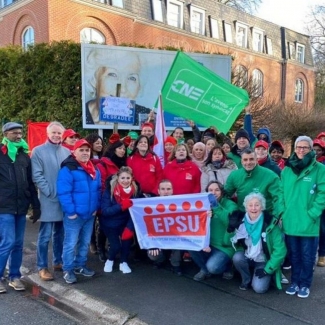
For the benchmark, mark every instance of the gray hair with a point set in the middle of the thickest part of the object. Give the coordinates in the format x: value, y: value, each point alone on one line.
x: 304, y: 138
x: 54, y: 123
x: 257, y: 196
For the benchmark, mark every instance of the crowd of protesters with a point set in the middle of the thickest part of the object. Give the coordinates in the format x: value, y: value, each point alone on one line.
x: 265, y: 209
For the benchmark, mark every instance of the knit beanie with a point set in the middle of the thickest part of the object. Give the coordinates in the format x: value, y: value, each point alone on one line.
x: 171, y: 140
x: 241, y: 133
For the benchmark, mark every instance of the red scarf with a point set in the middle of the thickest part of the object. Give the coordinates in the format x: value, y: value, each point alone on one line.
x: 89, y: 168
x: 120, y: 194
x: 262, y: 160
x: 281, y: 163
x: 68, y: 146
x: 321, y: 159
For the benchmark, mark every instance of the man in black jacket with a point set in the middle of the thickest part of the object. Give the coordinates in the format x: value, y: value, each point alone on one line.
x: 17, y: 192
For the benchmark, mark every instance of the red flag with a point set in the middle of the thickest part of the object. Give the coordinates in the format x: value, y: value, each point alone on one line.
x: 36, y: 133
x: 160, y: 133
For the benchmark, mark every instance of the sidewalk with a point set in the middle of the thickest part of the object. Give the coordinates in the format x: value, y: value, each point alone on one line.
x: 159, y: 297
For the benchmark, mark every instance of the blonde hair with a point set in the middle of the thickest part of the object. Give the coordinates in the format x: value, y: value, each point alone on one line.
x: 172, y: 155
x: 114, y: 180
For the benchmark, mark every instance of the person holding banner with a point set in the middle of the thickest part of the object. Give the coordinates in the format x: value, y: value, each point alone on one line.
x: 115, y: 219
x: 216, y: 259
x: 145, y: 165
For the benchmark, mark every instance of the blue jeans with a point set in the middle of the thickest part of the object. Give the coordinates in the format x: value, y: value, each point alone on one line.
x: 77, y: 234
x: 215, y: 262
x: 12, y: 230
x: 321, y: 247
x: 302, y: 256
x: 47, y: 231
x: 247, y: 267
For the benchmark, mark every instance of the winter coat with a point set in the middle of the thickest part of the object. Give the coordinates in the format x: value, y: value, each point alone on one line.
x: 210, y: 173
x: 185, y: 177
x: 271, y: 165
x: 46, y: 163
x: 107, y: 168
x: 78, y: 192
x: 234, y: 156
x: 259, y: 180
x: 17, y: 190
x: 219, y: 237
x: 302, y: 200
x: 273, y: 244
x: 147, y: 171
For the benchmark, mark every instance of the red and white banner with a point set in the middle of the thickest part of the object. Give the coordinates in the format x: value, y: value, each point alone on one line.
x: 172, y: 222
x: 160, y: 134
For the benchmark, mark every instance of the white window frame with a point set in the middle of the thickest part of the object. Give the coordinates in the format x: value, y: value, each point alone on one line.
x: 201, y: 23
x: 228, y: 32
x: 157, y: 10
x: 258, y: 46
x: 93, y: 33
x: 241, y: 40
x: 31, y: 37
x: 214, y: 28
x: 118, y: 3
x: 291, y: 50
x: 300, y: 55
x: 299, y: 90
x: 180, y: 19
x: 269, y: 46
x: 258, y: 81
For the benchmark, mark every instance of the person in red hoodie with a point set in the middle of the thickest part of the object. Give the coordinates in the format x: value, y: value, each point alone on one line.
x: 69, y: 138
x: 145, y: 165
x: 319, y: 148
x: 182, y: 172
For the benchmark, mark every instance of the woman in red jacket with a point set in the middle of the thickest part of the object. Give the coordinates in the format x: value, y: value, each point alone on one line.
x: 145, y: 165
x: 184, y: 174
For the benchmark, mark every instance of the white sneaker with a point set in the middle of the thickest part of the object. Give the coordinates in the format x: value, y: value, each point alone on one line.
x: 108, y: 266
x: 125, y: 268
x: 284, y: 280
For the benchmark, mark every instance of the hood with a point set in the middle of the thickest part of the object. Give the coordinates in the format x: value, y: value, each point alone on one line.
x: 265, y: 131
x: 70, y: 162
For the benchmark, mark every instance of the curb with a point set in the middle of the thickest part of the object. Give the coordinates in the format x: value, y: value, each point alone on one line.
x: 77, y: 304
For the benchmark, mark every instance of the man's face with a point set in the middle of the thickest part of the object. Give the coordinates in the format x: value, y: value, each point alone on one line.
x: 249, y: 161
x: 261, y: 152
x: 147, y: 131
x: 242, y: 143
x: 14, y: 135
x: 82, y: 154
x: 55, y: 133
x: 165, y: 189
x: 302, y: 148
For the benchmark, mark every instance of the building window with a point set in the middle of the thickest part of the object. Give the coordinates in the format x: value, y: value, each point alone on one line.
x: 175, y: 13
x: 4, y: 3
x: 299, y: 91
x: 300, y: 53
x: 28, y: 38
x: 291, y: 50
x: 227, y: 32
x: 241, y: 76
x: 117, y: 3
x: 257, y: 83
x: 269, y: 47
x: 157, y: 10
x: 214, y: 28
x: 241, y: 35
x: 197, y: 20
x: 91, y: 35
x: 258, y: 40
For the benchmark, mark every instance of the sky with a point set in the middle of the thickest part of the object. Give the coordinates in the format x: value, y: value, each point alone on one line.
x: 287, y: 13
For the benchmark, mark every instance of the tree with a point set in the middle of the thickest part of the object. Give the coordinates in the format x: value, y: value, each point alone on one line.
x: 249, y: 6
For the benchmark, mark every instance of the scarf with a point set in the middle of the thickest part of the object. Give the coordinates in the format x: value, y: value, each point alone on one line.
x: 239, y: 151
x: 261, y: 161
x: 297, y: 165
x: 218, y: 163
x: 89, y: 168
x: 120, y: 193
x: 180, y: 161
x: 68, y: 146
x: 254, y: 228
x: 13, y: 147
x: 118, y: 162
x: 281, y: 163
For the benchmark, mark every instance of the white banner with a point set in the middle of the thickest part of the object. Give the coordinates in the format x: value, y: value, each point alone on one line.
x: 172, y: 222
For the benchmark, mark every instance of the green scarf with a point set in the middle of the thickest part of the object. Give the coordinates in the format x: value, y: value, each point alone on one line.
x: 254, y: 228
x: 297, y: 165
x: 13, y: 147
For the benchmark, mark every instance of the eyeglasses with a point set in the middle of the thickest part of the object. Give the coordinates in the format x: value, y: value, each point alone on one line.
x: 16, y: 133
x: 303, y: 148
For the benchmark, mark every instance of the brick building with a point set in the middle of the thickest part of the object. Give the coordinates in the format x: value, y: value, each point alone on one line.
x: 277, y: 60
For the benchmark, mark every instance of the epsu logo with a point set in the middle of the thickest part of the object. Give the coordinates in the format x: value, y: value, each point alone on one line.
x: 173, y: 220
x: 183, y: 88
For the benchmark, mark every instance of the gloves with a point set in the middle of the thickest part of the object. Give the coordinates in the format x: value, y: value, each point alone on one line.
x: 235, y: 220
x: 127, y: 234
x: 260, y: 273
x: 125, y: 204
x: 213, y: 201
x: 36, y: 214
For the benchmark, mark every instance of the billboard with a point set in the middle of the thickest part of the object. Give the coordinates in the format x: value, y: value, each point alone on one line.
x: 141, y: 74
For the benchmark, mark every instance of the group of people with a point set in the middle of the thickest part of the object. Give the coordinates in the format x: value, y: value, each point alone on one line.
x: 264, y: 209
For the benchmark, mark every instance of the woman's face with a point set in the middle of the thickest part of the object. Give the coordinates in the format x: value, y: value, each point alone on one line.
x: 178, y: 134
x: 190, y: 144
x: 318, y: 151
x: 217, y: 155
x: 124, y: 179
x: 127, y: 75
x: 276, y: 155
x: 142, y: 145
x: 210, y: 144
x: 261, y: 152
x: 198, y: 152
x: 215, y: 190
x: 71, y: 140
x: 226, y: 148
x: 120, y: 151
x: 147, y: 131
x: 169, y: 147
x: 98, y: 146
x: 254, y: 208
x: 180, y: 153
x: 131, y: 145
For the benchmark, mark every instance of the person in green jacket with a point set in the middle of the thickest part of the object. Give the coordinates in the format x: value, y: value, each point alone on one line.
x: 241, y: 143
x: 262, y: 241
x: 263, y: 159
x: 216, y: 259
x: 302, y: 200
x: 254, y: 178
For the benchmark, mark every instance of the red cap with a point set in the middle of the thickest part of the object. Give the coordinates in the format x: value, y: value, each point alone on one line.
x: 322, y: 134
x: 319, y: 142
x: 171, y: 140
x: 69, y: 133
x: 80, y: 143
x: 261, y: 143
x: 147, y: 124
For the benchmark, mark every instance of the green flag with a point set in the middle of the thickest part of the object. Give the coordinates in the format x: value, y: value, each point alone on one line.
x: 196, y: 93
